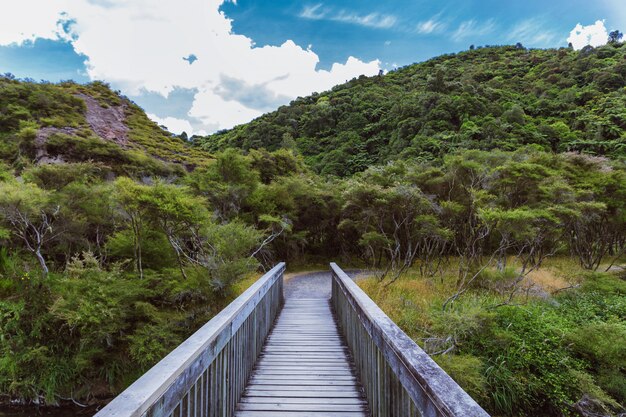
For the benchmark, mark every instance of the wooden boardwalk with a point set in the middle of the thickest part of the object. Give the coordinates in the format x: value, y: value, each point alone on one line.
x: 275, y: 353
x: 304, y: 369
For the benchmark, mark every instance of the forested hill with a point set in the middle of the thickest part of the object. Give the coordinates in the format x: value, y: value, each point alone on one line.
x: 487, y: 98
x: 45, y: 123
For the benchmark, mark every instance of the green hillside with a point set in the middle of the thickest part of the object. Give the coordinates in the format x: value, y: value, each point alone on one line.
x: 68, y: 122
x: 492, y: 97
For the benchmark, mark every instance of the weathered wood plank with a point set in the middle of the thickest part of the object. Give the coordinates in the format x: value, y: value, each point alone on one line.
x: 306, y: 377
x: 303, y: 394
x: 278, y: 406
x: 308, y: 388
x: 304, y: 368
x: 299, y: 414
x: 291, y: 400
x: 302, y: 382
x: 318, y: 367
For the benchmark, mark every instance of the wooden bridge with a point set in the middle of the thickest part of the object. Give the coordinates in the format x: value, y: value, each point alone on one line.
x: 263, y: 356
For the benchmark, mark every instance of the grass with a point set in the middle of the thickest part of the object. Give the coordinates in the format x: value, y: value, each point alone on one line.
x: 154, y: 140
x: 241, y: 286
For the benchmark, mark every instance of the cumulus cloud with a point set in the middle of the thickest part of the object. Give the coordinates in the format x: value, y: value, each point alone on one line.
x: 594, y: 35
x: 137, y: 46
x: 176, y: 125
x: 253, y: 96
x: 18, y: 23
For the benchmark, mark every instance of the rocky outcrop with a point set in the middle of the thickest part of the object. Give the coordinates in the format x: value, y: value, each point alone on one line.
x: 107, y: 122
x: 41, y: 154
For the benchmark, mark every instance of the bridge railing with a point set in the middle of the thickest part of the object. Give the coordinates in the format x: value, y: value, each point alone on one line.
x: 399, y: 378
x: 206, y: 374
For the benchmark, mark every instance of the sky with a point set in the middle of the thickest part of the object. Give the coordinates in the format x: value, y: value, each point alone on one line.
x: 204, y: 65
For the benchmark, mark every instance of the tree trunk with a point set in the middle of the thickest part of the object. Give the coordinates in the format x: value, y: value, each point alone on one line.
x: 42, y: 262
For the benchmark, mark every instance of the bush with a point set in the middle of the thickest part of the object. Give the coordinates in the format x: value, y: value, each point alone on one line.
x: 603, y: 345
x: 604, y: 283
x: 468, y: 371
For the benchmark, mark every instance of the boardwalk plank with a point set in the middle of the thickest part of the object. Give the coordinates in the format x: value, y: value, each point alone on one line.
x: 304, y: 369
x: 300, y: 414
x: 300, y: 407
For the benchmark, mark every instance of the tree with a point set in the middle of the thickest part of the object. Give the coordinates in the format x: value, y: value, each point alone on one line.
x: 30, y: 213
x: 598, y: 230
x: 227, y: 183
x: 615, y: 37
x: 129, y: 197
x: 178, y: 214
x: 395, y: 221
x: 530, y: 233
x: 436, y: 82
x: 227, y: 251
x: 288, y: 142
x: 515, y: 115
x: 590, y: 234
x: 388, y: 219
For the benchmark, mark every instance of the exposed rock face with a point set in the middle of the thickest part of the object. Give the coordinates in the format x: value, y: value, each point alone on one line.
x: 42, y: 156
x: 107, y: 122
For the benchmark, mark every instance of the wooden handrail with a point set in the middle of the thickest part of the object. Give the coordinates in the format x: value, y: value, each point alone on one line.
x: 207, y: 373
x: 399, y: 378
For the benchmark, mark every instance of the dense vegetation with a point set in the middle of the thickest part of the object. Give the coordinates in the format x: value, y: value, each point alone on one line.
x: 503, y: 262
x: 487, y: 98
x: 544, y: 352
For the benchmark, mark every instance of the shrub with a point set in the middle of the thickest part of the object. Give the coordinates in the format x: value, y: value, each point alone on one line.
x: 603, y: 345
x: 468, y: 372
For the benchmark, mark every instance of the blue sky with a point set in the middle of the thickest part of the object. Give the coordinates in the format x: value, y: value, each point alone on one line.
x: 536, y: 23
x: 203, y: 65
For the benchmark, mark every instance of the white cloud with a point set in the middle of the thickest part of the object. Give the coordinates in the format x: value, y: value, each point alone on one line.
x: 175, y: 125
x: 137, y: 46
x: 473, y: 28
x: 19, y: 23
x: 372, y: 20
x: 594, y: 35
x: 432, y: 25
x: 314, y: 12
x: 533, y: 32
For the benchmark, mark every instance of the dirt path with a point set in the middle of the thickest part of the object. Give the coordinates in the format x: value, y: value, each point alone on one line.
x: 313, y: 284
